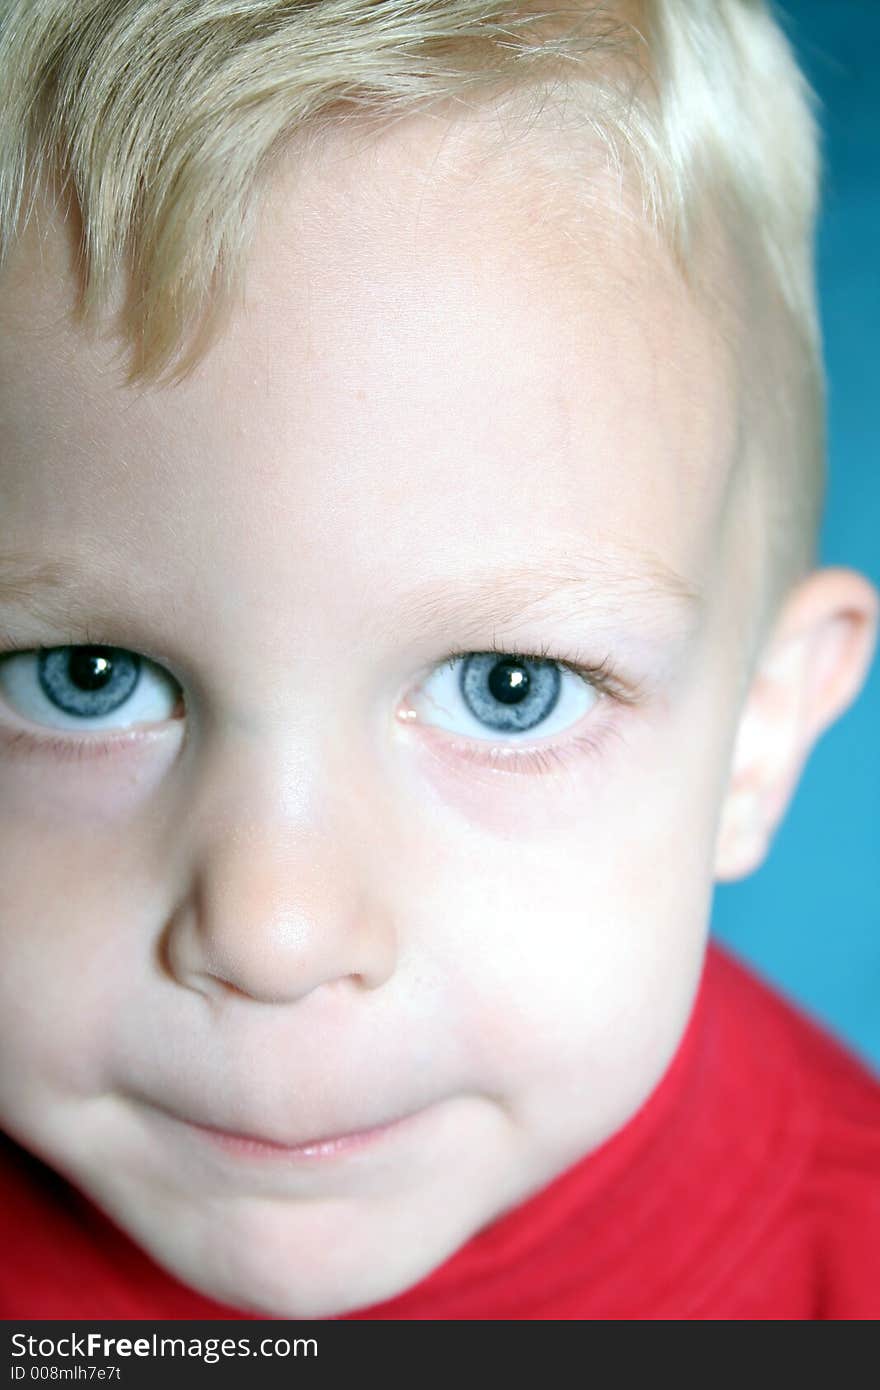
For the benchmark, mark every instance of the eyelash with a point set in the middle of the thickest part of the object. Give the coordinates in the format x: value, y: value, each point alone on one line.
x: 602, y: 678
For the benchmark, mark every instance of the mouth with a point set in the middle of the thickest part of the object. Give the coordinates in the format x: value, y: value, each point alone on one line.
x: 249, y: 1146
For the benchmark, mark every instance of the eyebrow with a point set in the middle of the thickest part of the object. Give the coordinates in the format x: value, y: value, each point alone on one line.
x: 43, y: 588
x: 57, y: 592
x: 573, y: 585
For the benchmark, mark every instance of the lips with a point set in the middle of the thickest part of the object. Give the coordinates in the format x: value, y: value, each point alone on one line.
x: 324, y: 1141
x: 259, y: 1141
x: 257, y: 1146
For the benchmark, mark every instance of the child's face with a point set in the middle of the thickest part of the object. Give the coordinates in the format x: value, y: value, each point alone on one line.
x: 311, y: 904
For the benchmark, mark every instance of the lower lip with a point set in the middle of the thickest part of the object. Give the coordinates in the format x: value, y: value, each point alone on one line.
x: 263, y: 1150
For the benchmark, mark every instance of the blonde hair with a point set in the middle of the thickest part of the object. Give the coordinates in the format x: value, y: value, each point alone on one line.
x: 164, y: 119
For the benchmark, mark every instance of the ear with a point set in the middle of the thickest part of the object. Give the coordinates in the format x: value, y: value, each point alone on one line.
x: 810, y: 671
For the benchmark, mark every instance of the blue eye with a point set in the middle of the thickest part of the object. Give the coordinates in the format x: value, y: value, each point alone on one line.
x: 75, y: 687
x: 492, y: 694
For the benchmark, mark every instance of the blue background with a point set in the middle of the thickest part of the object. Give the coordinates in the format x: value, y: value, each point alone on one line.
x: 809, y: 919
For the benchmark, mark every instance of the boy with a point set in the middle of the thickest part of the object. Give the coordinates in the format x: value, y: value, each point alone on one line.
x: 382, y: 695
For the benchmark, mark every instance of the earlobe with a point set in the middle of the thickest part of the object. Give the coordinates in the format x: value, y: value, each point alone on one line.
x: 811, y: 670
x: 742, y: 839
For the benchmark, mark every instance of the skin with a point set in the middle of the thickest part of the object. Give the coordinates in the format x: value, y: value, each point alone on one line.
x: 291, y: 904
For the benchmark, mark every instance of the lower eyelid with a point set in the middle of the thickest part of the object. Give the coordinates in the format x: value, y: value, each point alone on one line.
x: 78, y: 750
x: 551, y: 758
x: 536, y: 761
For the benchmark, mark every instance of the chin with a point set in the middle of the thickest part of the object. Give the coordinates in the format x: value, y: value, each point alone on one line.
x: 327, y: 1260
x: 301, y: 1289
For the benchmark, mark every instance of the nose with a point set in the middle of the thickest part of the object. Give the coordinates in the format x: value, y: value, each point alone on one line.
x: 276, y: 913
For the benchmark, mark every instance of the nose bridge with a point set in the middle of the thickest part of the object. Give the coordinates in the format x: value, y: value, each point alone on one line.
x: 280, y: 897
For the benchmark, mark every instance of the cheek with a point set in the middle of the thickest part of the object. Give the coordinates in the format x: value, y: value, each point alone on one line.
x: 61, y: 798
x: 580, y: 946
x: 68, y: 917
x: 67, y: 964
x: 71, y: 853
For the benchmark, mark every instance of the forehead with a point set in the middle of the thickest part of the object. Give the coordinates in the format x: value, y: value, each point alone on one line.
x: 423, y: 369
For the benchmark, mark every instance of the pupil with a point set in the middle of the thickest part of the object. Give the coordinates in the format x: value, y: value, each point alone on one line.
x: 89, y: 668
x: 509, y: 682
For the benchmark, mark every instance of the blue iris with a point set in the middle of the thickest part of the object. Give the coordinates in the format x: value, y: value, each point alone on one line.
x: 510, y: 694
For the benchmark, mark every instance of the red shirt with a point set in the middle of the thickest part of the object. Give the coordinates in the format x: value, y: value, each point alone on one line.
x: 747, y: 1187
